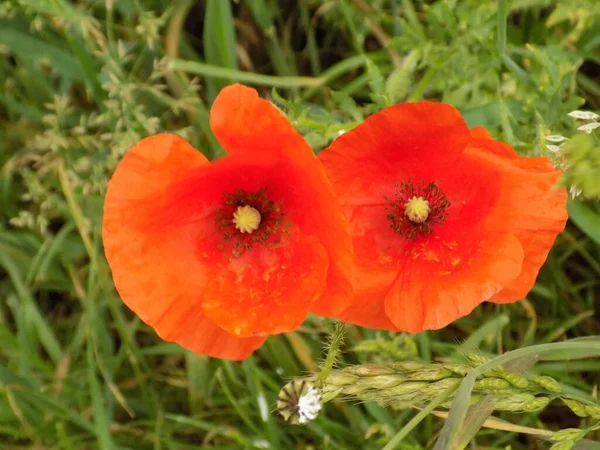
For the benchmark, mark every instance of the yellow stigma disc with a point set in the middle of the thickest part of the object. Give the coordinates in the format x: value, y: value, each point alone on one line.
x: 246, y: 219
x: 417, y: 209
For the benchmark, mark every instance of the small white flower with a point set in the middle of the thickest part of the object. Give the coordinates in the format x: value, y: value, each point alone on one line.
x: 589, y: 127
x: 584, y: 115
x: 555, y: 138
x: 553, y: 148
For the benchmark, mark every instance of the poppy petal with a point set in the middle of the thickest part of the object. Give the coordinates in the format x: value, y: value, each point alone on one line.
x: 408, y: 140
x: 481, y: 138
x: 268, y: 293
x: 476, y: 246
x: 304, y: 195
x: 199, y: 335
x: 151, y: 165
x: 540, y: 217
x: 527, y: 204
x: 378, y: 255
x: 244, y: 122
x: 151, y: 262
x: 322, y: 216
x: 278, y: 283
x: 450, y: 279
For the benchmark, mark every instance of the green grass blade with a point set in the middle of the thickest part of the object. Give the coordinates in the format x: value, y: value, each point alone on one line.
x: 457, y: 413
x: 585, y: 218
x: 219, y: 42
x: 441, y: 398
x: 43, y: 329
x: 101, y: 423
x: 223, y: 73
x: 502, y: 16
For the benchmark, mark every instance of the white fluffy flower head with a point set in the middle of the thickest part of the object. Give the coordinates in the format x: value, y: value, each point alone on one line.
x: 299, y: 402
x: 309, y: 405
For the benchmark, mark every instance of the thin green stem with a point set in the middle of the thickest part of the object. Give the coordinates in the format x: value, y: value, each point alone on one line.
x: 337, y: 337
x: 502, y: 16
x: 423, y: 84
x: 209, y: 70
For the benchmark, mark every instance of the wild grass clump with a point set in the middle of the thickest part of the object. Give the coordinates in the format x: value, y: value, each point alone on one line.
x: 80, y: 82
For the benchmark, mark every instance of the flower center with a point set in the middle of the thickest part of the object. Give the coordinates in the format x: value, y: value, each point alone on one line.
x: 246, y: 219
x: 417, y: 209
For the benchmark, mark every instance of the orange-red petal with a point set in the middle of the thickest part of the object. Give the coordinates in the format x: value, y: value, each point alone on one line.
x: 306, y: 200
x: 265, y: 290
x: 378, y: 258
x: 487, y: 247
x: 451, y: 279
x: 319, y: 214
x: 365, y: 165
x: 155, y: 269
x: 244, y: 122
x: 426, y: 284
x: 481, y: 138
x: 409, y: 140
x: 247, y: 125
x: 533, y: 209
x: 268, y: 290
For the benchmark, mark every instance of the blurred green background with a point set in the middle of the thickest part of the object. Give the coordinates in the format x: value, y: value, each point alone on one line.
x: 81, y: 81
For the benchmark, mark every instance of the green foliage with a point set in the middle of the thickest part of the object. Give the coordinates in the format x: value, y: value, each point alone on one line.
x: 80, y: 82
x: 583, y: 155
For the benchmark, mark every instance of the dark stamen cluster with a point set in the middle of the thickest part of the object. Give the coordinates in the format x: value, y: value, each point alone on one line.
x: 399, y: 221
x: 272, y: 221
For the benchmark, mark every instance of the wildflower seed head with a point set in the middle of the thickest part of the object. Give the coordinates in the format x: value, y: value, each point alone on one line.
x: 246, y: 219
x: 515, y: 379
x: 370, y: 370
x: 340, y: 379
x: 593, y: 410
x: 578, y: 408
x: 492, y: 385
x: 536, y: 404
x: 565, y: 445
x: 476, y: 359
x: 568, y: 434
x: 514, y: 402
x: 584, y: 115
x: 547, y: 383
x: 575, y: 191
x: 555, y: 138
x: 589, y: 127
x: 580, y: 158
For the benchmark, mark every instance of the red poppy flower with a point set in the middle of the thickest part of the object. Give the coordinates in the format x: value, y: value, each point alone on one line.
x: 442, y: 218
x: 218, y: 256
